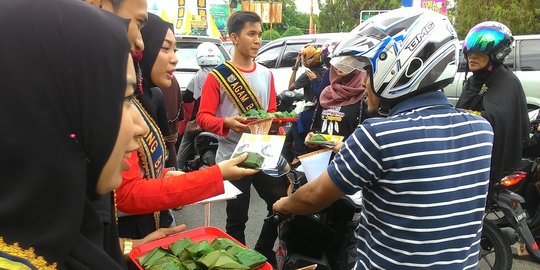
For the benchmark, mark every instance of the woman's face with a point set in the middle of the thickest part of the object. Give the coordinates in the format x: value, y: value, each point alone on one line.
x: 477, y: 61
x: 132, y: 128
x: 162, y: 71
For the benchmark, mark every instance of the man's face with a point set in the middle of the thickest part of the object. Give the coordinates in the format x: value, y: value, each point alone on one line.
x: 248, y: 42
x: 477, y: 61
x: 135, y: 12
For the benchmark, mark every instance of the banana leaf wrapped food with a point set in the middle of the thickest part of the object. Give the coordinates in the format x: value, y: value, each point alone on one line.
x: 221, y: 243
x: 250, y: 258
x: 221, y: 254
x: 199, y: 249
x: 151, y: 257
x: 253, y: 161
x: 177, y: 247
x: 317, y: 138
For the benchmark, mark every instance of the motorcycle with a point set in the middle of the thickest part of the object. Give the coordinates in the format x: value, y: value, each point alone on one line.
x: 205, y: 145
x: 334, y: 246
x: 513, y: 214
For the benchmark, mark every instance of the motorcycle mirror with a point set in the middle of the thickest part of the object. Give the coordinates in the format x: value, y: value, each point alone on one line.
x: 281, y: 168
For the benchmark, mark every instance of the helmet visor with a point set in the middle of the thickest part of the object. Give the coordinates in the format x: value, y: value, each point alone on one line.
x: 483, y: 39
x: 347, y: 64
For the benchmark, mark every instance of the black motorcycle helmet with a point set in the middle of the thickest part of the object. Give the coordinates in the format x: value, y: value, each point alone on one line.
x: 492, y: 38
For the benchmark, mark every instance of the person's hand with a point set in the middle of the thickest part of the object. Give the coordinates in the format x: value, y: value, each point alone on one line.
x: 235, y: 123
x: 307, y: 140
x: 337, y: 147
x: 278, y: 206
x: 298, y: 61
x: 311, y: 75
x: 174, y: 173
x: 230, y: 170
x: 158, y: 234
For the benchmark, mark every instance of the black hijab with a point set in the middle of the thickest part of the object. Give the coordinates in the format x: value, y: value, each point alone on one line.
x: 153, y: 34
x: 63, y: 75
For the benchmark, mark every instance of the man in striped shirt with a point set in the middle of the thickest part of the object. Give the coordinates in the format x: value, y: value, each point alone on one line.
x: 423, y: 170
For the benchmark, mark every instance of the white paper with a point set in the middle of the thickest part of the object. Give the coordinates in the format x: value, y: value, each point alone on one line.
x: 230, y: 193
x: 269, y: 146
x: 315, y: 164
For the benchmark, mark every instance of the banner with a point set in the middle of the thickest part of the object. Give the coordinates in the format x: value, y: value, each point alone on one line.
x: 270, y: 12
x: 181, y: 16
x: 435, y: 5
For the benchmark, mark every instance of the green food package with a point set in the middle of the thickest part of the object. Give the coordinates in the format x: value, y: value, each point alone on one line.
x: 251, y: 114
x: 253, y: 161
x: 250, y: 258
x: 221, y: 243
x: 168, y: 262
x: 318, y: 138
x: 233, y: 250
x: 225, y: 262
x: 293, y: 114
x: 199, y: 249
x: 278, y: 115
x: 191, y: 265
x: 184, y: 256
x: 209, y: 259
x: 179, y: 246
x: 151, y: 257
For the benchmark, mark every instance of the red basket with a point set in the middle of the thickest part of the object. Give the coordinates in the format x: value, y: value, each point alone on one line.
x: 196, y: 235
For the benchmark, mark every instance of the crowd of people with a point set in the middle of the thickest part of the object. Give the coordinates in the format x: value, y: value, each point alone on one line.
x: 101, y: 104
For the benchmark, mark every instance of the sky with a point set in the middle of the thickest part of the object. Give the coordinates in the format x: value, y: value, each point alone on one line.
x: 303, y: 6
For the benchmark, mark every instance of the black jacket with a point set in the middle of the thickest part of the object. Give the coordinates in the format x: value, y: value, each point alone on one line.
x: 504, y: 105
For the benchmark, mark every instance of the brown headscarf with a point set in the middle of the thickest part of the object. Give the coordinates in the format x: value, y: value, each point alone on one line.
x: 343, y: 90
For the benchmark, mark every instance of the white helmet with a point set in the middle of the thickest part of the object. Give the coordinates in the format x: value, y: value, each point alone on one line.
x: 208, y: 54
x: 409, y: 50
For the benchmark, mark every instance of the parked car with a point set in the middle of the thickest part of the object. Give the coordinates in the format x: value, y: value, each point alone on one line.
x: 280, y: 55
x: 187, y: 66
x: 524, y: 60
x: 230, y: 48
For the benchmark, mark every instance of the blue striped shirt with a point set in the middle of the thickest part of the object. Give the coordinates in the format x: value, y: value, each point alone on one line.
x: 424, y: 174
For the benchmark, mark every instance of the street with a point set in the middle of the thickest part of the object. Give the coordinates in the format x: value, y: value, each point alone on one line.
x: 193, y: 216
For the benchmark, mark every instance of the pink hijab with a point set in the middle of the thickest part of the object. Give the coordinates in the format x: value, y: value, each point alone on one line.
x: 343, y: 91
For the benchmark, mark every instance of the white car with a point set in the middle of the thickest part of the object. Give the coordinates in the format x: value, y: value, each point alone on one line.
x: 187, y: 66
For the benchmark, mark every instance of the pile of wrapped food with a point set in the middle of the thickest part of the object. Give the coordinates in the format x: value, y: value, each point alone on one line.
x: 262, y: 114
x: 184, y: 254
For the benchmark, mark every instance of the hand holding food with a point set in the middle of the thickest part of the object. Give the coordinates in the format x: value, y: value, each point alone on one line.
x: 232, y: 169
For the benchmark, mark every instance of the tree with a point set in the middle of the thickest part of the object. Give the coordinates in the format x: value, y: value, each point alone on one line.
x: 270, y: 35
x: 521, y: 16
x: 344, y: 15
x: 292, y: 18
x: 292, y: 31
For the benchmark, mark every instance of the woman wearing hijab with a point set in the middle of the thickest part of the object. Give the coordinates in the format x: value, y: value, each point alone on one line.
x: 342, y: 103
x: 78, y: 55
x: 166, y: 189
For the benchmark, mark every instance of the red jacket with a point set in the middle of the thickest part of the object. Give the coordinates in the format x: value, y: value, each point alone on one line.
x: 138, y: 195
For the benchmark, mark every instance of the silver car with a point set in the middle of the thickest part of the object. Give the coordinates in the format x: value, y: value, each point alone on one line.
x: 280, y: 55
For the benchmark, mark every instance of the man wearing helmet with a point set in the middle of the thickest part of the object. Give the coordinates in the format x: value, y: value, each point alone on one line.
x: 310, y: 56
x: 423, y: 170
x: 495, y: 93
x: 208, y: 57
